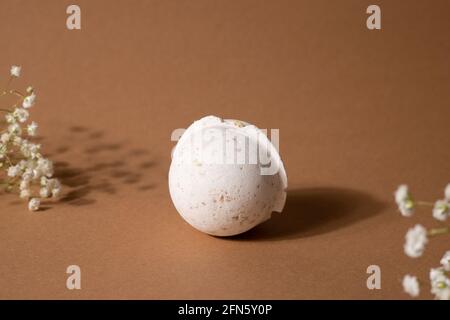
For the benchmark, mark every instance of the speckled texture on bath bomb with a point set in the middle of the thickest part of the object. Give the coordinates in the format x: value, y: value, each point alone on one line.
x: 224, y: 198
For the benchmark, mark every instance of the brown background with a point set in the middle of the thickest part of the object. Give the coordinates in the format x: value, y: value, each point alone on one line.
x: 359, y: 112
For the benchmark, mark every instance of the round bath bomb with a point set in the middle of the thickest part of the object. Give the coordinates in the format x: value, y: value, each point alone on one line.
x: 226, y: 176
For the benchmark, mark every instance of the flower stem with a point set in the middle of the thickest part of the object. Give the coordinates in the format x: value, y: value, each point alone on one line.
x: 424, y: 203
x: 8, y: 160
x: 9, y: 81
x: 438, y: 231
x: 17, y: 93
x: 13, y: 92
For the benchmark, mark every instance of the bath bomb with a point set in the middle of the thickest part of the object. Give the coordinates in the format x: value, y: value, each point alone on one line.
x: 226, y: 176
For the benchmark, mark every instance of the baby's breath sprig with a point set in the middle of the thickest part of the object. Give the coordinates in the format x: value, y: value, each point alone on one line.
x: 27, y: 171
x: 418, y: 237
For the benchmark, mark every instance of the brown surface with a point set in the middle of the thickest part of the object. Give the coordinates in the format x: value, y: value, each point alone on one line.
x: 359, y: 112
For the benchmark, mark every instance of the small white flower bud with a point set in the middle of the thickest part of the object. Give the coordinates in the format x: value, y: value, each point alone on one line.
x: 33, y: 204
x: 15, y: 71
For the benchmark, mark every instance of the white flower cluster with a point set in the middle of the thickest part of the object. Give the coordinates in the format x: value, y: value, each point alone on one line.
x: 418, y: 236
x: 439, y: 280
x: 406, y: 204
x: 441, y: 209
x: 26, y: 169
x: 15, y: 71
x: 416, y: 239
x: 404, y: 201
x: 411, y: 285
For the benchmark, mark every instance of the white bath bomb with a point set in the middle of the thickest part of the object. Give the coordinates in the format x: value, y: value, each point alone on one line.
x: 226, y: 176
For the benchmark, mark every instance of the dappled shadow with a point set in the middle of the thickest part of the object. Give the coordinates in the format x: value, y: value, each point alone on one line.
x: 313, y: 211
x: 93, y: 164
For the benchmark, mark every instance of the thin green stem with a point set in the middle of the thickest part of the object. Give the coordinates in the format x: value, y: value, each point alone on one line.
x: 438, y: 231
x: 12, y: 92
x: 424, y: 203
x: 9, y: 81
x: 8, y: 160
x: 17, y: 93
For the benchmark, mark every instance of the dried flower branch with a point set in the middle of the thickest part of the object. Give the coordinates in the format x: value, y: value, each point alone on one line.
x: 419, y: 236
x: 27, y: 171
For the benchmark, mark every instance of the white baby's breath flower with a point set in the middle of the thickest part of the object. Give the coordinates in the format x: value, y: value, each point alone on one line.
x: 24, y: 184
x: 30, y: 150
x: 411, y: 285
x: 56, y: 192
x: 50, y: 187
x: 21, y: 114
x: 36, y: 174
x: 445, y: 261
x: 17, y: 140
x: 4, y: 138
x: 27, y: 165
x: 44, y: 192
x: 56, y: 188
x: 13, y: 171
x: 30, y: 171
x: 14, y: 128
x: 440, y: 284
x: 443, y: 294
x: 404, y: 200
x: 45, y: 166
x: 23, y: 163
x: 31, y: 129
x: 441, y: 210
x: 416, y: 239
x: 401, y: 193
x: 28, y: 174
x: 406, y: 208
x: 15, y: 71
x: 34, y: 150
x: 28, y: 102
x: 447, y: 192
x: 9, y: 117
x: 33, y: 204
x: 44, y: 181
x: 25, y: 193
x: 436, y: 274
